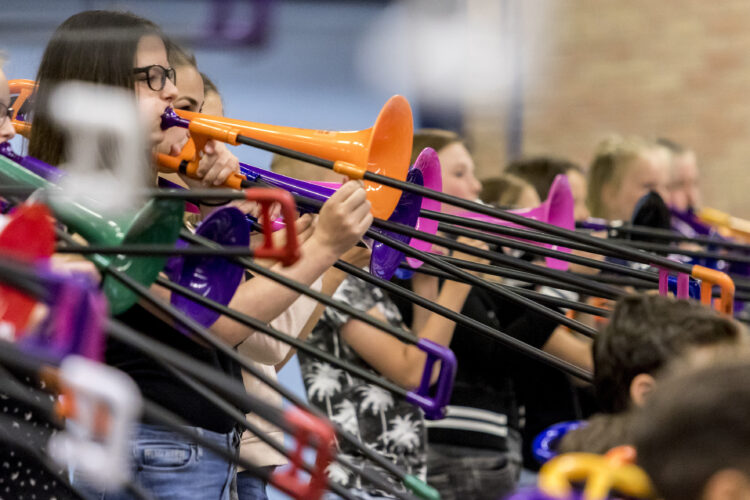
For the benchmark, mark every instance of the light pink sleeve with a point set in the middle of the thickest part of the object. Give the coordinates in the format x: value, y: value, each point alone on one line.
x: 267, y: 350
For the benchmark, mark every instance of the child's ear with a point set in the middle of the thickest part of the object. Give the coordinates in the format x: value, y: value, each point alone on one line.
x: 727, y: 484
x: 641, y: 387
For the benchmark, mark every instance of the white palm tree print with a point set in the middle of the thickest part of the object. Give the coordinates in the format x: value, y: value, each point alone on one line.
x: 346, y: 416
x: 324, y: 382
x: 378, y: 401
x: 404, y: 434
x: 338, y: 473
x: 356, y: 407
x: 358, y: 468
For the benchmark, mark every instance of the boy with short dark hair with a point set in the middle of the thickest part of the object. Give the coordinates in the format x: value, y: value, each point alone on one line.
x: 644, y: 334
x: 692, y: 436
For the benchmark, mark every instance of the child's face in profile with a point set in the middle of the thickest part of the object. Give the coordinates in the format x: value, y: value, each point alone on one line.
x: 648, y: 172
x: 189, y: 98
x: 7, y: 132
x: 152, y: 103
x: 457, y: 168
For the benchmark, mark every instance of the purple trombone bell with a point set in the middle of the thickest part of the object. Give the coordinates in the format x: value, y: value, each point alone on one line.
x: 384, y: 260
x: 214, y: 278
x: 537, y: 494
x: 75, y: 325
x: 429, y: 164
x: 544, y: 446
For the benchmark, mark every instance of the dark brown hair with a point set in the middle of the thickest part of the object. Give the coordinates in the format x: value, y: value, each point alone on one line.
x: 644, y: 333
x: 503, y: 191
x: 179, y: 55
x: 432, y: 138
x: 601, y: 433
x: 94, y: 46
x: 540, y: 171
x: 209, y: 85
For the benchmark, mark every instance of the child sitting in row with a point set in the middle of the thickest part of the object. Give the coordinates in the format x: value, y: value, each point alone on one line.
x: 644, y: 334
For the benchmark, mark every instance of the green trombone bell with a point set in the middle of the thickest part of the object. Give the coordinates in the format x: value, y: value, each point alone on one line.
x: 158, y: 222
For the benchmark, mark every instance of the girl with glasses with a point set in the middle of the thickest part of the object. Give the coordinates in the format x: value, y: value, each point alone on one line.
x: 126, y: 51
x: 123, y: 50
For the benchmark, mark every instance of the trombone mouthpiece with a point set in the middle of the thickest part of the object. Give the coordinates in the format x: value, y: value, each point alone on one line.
x: 170, y: 119
x: 7, y: 151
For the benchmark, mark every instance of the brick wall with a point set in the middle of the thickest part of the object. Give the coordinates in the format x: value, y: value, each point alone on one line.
x: 672, y: 68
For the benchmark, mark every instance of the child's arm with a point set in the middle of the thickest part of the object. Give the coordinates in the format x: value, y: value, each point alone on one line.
x: 343, y: 220
x: 404, y: 363
x: 397, y: 361
x: 566, y: 346
x: 268, y: 350
x: 427, y: 287
x: 356, y: 256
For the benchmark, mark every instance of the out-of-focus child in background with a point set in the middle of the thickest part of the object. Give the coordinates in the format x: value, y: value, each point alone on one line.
x: 622, y: 172
x: 691, y: 437
x: 645, y: 334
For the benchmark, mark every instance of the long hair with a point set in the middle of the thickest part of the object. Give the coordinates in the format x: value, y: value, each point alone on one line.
x: 540, y: 171
x: 505, y: 190
x: 94, y: 46
x: 432, y: 138
x: 179, y: 55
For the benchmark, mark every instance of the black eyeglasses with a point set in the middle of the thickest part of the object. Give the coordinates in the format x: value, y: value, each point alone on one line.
x: 5, y: 112
x: 156, y: 76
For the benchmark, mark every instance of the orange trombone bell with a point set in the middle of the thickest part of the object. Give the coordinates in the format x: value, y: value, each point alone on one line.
x: 385, y: 148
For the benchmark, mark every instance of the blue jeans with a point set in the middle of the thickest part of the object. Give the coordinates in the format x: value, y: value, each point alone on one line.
x: 169, y: 466
x: 480, y: 474
x: 250, y: 487
x: 362, y: 495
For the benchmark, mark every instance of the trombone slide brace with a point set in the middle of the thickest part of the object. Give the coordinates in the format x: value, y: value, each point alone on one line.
x: 308, y: 431
x: 434, y: 404
x: 266, y: 197
x: 102, y: 405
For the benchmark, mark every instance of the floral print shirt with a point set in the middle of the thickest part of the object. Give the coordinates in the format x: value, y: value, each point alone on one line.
x: 386, y: 424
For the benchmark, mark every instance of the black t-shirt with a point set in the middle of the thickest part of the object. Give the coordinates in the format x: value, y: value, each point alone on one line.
x: 157, y: 384
x: 485, y: 379
x: 548, y: 397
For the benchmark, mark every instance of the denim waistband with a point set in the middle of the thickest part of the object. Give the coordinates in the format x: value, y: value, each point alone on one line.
x: 231, y: 439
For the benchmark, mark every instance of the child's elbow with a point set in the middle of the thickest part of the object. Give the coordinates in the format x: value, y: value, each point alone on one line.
x: 413, y: 378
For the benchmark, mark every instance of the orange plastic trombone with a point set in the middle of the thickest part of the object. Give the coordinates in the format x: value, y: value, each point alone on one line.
x: 710, y: 278
x: 385, y: 148
x: 620, y: 455
x: 188, y: 159
x: 727, y: 224
x: 24, y: 89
